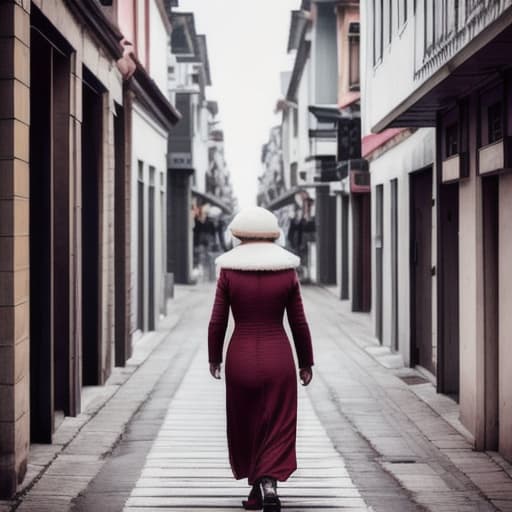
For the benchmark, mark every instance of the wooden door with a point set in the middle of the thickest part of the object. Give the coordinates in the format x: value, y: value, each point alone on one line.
x: 122, y: 180
x: 448, y: 371
x: 361, y: 252
x: 379, y: 243
x: 421, y: 269
x: 344, y: 247
x: 141, y: 245
x: 92, y: 156
x: 326, y: 236
x: 151, y: 251
x: 393, y: 242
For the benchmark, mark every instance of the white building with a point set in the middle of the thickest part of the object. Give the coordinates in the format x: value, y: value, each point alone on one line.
x: 150, y: 129
x: 453, y: 94
x: 402, y: 170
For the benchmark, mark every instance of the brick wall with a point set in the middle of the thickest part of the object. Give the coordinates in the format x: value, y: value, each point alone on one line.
x: 14, y: 242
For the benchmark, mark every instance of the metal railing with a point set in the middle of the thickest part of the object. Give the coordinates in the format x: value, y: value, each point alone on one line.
x: 444, y: 27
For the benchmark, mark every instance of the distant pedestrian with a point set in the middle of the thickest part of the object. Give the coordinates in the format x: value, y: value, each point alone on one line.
x: 259, y: 282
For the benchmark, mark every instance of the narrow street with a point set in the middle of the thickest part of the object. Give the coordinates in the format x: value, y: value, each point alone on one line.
x: 147, y: 146
x: 365, y: 442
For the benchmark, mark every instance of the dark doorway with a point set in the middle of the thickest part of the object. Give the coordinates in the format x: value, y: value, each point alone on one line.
x: 394, y: 263
x: 92, y: 156
x: 421, y: 269
x: 121, y: 223
x: 151, y: 250
x: 52, y: 377
x: 141, y: 239
x: 41, y: 242
x: 66, y: 384
x: 361, y: 252
x: 448, y: 371
x: 345, y: 200
x: 326, y: 236
x: 179, y: 232
x: 490, y: 215
x: 163, y: 261
x: 379, y: 242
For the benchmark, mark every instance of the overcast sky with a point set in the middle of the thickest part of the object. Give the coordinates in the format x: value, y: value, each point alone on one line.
x: 247, y: 48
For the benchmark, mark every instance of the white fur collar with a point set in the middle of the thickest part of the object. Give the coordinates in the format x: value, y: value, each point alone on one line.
x: 258, y: 256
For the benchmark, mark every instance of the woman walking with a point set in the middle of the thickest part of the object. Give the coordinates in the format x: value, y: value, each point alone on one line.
x: 258, y: 281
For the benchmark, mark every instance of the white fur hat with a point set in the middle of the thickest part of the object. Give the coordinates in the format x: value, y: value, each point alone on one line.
x: 255, y: 222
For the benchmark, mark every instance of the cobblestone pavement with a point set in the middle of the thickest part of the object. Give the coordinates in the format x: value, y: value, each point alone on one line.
x: 367, y: 441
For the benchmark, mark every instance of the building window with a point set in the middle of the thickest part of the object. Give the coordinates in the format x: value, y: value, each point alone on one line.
x: 140, y: 170
x: 353, y: 41
x: 390, y: 20
x: 378, y: 32
x: 495, y: 122
x: 295, y: 122
x: 451, y: 16
x: 293, y: 174
x: 429, y: 18
x: 402, y: 12
x: 452, y: 140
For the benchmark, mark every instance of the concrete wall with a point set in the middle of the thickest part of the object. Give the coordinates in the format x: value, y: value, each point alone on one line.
x: 385, y: 91
x: 471, y: 302
x: 471, y: 286
x: 159, y: 44
x: 413, y: 153
x: 505, y: 322
x: 149, y: 146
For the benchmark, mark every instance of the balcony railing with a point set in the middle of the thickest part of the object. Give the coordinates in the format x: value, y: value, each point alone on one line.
x: 444, y: 27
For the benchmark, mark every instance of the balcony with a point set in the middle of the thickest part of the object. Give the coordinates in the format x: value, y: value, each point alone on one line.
x: 457, y: 50
x: 444, y: 28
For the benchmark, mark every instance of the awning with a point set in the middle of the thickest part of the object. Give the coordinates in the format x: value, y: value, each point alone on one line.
x: 286, y: 198
x: 374, y: 141
x: 209, y: 198
x: 333, y: 113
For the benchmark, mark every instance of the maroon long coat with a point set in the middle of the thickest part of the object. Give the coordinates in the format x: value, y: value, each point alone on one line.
x: 261, y: 379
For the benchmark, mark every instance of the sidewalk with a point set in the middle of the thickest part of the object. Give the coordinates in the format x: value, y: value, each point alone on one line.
x: 410, y: 429
x: 367, y: 441
x: 57, y: 472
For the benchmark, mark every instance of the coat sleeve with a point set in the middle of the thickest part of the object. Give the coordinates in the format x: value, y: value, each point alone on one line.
x: 299, y: 326
x: 218, y: 320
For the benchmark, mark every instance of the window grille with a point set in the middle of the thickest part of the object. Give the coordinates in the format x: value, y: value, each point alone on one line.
x: 495, y: 122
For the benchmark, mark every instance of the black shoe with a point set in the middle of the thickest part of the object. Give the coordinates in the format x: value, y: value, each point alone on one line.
x: 271, y: 502
x: 255, y: 500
